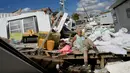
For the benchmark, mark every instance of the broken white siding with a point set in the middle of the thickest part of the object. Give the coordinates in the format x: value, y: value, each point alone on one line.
x: 3, y: 30
x: 106, y: 18
x: 123, y: 67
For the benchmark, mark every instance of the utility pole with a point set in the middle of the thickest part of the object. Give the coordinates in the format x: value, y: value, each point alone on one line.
x: 62, y: 7
x: 85, y: 10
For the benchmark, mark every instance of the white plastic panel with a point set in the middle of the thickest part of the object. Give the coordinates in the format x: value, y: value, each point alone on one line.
x: 60, y: 26
x: 43, y: 22
x: 3, y: 30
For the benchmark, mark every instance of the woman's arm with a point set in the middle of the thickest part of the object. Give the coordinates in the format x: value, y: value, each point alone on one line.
x: 74, y: 38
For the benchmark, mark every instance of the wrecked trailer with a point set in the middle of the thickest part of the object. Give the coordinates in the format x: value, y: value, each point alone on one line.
x: 30, y: 48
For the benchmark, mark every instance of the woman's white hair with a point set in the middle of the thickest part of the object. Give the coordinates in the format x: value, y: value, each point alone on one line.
x: 78, y: 30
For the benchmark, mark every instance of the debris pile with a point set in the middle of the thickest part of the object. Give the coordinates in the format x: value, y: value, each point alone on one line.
x: 104, y: 70
x: 118, y: 67
x: 108, y: 41
x: 79, y: 69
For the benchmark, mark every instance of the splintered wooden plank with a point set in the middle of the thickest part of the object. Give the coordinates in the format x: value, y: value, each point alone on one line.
x: 45, y: 58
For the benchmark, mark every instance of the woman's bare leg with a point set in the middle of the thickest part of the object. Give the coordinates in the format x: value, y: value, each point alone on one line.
x: 85, y: 57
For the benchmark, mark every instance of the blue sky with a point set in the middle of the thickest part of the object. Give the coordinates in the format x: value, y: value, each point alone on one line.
x: 12, y: 5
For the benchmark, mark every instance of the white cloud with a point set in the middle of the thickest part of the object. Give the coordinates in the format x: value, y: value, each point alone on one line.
x: 93, y: 6
x: 94, y: 12
x: 86, y: 2
x: 107, y: 8
x: 26, y: 9
x: 101, y: 4
x: 80, y: 9
x: 91, y: 12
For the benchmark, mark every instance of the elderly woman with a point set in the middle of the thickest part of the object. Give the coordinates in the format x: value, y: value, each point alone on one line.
x: 82, y: 45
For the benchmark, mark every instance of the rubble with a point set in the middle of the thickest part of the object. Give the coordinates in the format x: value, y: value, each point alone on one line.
x: 119, y: 67
x: 105, y: 39
x: 104, y: 70
x: 111, y: 48
x: 79, y: 69
x: 108, y: 41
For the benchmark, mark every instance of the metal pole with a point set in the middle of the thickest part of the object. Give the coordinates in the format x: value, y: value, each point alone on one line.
x: 62, y: 3
x: 85, y: 10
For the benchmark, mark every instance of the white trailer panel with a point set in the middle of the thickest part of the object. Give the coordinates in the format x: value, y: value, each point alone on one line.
x: 42, y: 21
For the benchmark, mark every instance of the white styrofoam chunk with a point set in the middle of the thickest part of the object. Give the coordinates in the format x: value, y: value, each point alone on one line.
x: 123, y: 67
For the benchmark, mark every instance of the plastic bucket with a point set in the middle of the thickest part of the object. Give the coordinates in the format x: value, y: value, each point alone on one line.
x: 40, y: 41
x: 50, y: 45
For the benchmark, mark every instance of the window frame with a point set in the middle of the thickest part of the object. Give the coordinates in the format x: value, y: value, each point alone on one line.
x: 22, y: 28
x: 128, y: 12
